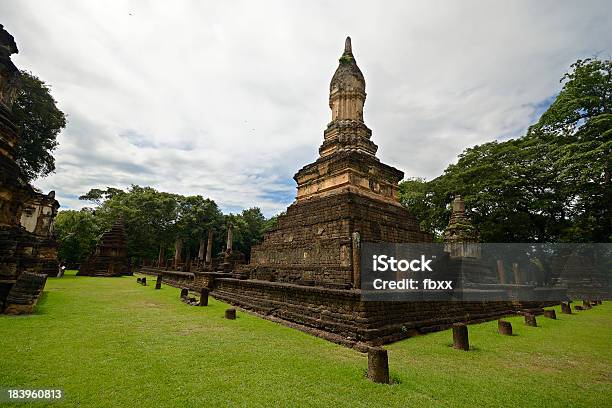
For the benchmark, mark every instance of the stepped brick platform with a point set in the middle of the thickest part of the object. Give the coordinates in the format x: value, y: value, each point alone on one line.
x: 339, y: 314
x: 110, y: 257
x: 313, y: 242
x: 179, y: 279
x: 582, y: 279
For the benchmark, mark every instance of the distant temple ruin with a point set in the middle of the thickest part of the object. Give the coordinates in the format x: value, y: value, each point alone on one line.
x: 110, y: 257
x: 28, y: 250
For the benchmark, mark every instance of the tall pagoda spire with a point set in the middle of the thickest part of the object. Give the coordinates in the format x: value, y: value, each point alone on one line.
x: 348, y: 49
x: 347, y: 158
x: 347, y: 95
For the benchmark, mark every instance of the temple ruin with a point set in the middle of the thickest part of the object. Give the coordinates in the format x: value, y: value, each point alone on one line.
x: 306, y: 272
x: 28, y: 250
x: 110, y: 257
x: 38, y: 218
x: 346, y: 191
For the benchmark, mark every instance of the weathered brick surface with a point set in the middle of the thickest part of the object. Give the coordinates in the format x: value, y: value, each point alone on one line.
x: 24, y: 295
x: 313, y: 240
x: 342, y: 311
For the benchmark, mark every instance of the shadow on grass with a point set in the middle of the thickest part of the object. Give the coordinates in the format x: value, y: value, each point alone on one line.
x: 393, y: 378
x: 40, y: 305
x: 472, y: 348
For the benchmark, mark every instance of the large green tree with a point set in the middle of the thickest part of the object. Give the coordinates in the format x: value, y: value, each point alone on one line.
x: 39, y: 121
x: 197, y: 216
x: 157, y: 223
x: 77, y: 233
x: 251, y: 230
x: 551, y: 185
x: 150, y: 217
x: 577, y: 129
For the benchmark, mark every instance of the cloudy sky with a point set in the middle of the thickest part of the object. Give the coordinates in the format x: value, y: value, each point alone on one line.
x: 229, y: 99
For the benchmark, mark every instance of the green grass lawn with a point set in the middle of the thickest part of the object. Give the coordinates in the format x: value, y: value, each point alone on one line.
x: 112, y: 342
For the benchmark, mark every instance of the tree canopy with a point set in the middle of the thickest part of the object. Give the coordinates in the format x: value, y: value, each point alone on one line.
x: 39, y: 121
x: 77, y: 233
x: 156, y: 220
x: 553, y: 184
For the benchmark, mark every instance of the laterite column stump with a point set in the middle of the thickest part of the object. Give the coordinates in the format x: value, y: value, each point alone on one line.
x: 230, y: 314
x: 504, y: 327
x: 378, y: 365
x: 460, y: 337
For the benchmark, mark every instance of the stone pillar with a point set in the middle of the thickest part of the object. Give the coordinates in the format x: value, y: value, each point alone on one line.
x: 517, y: 274
x: 230, y: 239
x: 356, y: 260
x: 230, y: 314
x: 187, y: 267
x: 586, y: 304
x: 201, y: 250
x: 551, y: 314
x: 227, y: 266
x: 378, y: 365
x: 501, y: 272
x: 204, y: 297
x: 161, y: 261
x: 209, y: 245
x: 158, y: 283
x: 504, y: 327
x: 178, y: 249
x: 565, y: 308
x: 143, y: 281
x: 184, y: 293
x: 138, y: 280
x: 530, y: 320
x: 460, y: 337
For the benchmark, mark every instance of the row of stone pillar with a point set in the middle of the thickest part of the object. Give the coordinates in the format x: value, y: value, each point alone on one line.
x: 143, y: 281
x: 516, y: 273
x: 356, y: 250
x: 504, y: 327
x: 230, y: 313
x: 178, y: 249
x: 378, y: 363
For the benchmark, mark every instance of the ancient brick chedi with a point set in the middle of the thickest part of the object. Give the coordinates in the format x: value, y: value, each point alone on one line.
x: 347, y: 190
x: 27, y: 253
x: 307, y: 269
x: 110, y: 257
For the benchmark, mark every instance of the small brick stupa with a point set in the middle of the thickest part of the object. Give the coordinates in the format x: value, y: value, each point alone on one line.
x: 461, y: 237
x: 110, y: 257
x: 461, y: 242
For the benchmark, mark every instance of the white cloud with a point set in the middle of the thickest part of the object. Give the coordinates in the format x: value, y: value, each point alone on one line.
x: 229, y: 99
